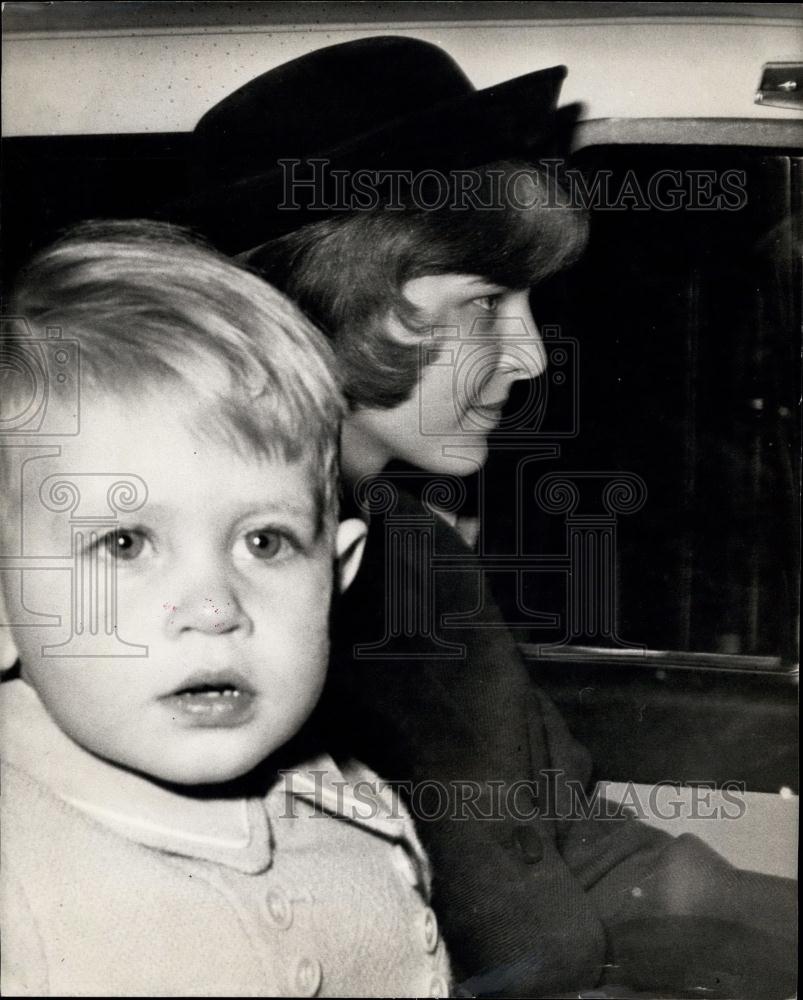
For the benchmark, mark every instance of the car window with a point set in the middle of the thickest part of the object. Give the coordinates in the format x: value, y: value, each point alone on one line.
x: 675, y: 348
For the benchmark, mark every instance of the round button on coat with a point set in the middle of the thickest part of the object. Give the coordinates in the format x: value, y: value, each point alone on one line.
x: 307, y: 977
x: 429, y: 928
x: 438, y: 987
x: 278, y: 909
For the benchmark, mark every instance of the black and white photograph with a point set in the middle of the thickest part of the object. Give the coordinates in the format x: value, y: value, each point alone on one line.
x: 400, y: 457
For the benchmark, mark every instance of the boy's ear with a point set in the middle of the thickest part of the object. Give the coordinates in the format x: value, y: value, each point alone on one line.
x: 349, y: 547
x: 8, y: 650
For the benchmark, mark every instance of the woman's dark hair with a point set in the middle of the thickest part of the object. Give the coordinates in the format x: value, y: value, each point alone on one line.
x: 347, y: 273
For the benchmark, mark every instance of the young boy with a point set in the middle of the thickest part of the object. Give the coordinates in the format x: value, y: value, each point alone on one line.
x: 161, y: 762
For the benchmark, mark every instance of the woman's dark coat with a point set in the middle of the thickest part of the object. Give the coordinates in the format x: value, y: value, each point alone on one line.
x: 555, y: 903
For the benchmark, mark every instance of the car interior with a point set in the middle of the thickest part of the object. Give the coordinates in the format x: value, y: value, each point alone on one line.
x: 660, y: 459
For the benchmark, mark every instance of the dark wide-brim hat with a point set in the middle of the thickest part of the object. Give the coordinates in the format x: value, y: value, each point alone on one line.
x: 333, y: 116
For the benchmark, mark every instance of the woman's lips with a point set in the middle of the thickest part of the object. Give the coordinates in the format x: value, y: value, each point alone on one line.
x: 490, y: 412
x: 212, y: 699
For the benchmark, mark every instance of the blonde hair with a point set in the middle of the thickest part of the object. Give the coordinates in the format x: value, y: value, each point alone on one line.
x: 150, y: 305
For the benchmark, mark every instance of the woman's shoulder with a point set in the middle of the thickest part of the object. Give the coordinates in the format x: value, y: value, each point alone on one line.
x: 409, y: 513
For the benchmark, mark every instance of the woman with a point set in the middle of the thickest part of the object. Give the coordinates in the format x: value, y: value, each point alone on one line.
x: 374, y: 185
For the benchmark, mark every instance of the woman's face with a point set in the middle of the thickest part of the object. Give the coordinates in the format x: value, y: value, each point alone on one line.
x: 483, y: 339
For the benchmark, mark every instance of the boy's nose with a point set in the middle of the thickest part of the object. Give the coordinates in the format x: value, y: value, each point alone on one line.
x: 209, y: 611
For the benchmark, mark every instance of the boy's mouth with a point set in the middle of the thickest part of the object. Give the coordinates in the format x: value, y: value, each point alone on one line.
x: 212, y: 699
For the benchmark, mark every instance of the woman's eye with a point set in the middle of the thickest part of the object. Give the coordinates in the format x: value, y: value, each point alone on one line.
x: 125, y: 545
x: 490, y: 303
x: 267, y: 544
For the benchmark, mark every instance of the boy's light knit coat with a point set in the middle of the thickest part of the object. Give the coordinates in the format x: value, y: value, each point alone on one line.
x: 301, y: 893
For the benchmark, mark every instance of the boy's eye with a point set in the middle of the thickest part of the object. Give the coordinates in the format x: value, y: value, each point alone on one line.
x: 125, y: 545
x: 267, y: 544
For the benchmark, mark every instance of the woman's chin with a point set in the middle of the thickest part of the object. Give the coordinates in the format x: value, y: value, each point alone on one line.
x: 456, y: 460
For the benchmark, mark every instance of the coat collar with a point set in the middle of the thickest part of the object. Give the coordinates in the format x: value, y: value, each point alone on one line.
x: 235, y: 832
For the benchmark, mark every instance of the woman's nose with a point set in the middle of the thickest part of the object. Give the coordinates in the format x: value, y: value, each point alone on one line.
x: 207, y: 608
x: 525, y: 348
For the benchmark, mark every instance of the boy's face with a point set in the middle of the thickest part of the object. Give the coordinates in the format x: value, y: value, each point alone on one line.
x: 488, y: 340
x: 219, y: 574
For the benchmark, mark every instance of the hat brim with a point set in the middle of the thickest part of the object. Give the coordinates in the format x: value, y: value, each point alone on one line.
x: 514, y: 119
